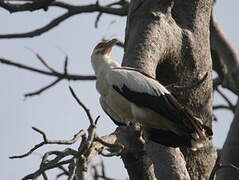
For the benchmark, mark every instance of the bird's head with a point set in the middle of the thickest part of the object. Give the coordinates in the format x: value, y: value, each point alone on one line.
x: 104, y: 48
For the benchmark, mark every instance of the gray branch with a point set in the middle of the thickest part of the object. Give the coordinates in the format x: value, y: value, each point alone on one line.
x: 71, y: 11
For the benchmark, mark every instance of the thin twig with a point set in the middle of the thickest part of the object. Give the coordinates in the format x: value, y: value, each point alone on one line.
x: 72, y: 10
x: 42, y: 61
x: 44, y: 168
x: 97, y: 175
x: 231, y: 106
x: 102, y: 167
x: 39, y: 31
x: 72, y: 172
x: 218, y: 107
x: 82, y: 105
x: 32, y: 6
x: 46, y: 141
x: 64, y: 172
x: 44, y: 176
x: 43, y: 89
x: 66, y: 65
x: 101, y: 13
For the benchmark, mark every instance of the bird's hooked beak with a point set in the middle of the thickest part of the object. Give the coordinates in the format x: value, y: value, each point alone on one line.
x: 107, y: 46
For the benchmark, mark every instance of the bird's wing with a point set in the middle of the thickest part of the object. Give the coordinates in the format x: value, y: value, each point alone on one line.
x: 108, y: 110
x: 149, y: 93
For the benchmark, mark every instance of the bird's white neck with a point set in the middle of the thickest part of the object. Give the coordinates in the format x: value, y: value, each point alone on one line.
x: 102, y: 63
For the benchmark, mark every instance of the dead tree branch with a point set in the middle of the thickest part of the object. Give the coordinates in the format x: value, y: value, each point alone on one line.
x: 71, y: 11
x: 73, y: 77
x: 39, y: 31
x: 122, y: 3
x: 221, y: 106
x: 29, y: 6
x: 46, y: 141
x: 230, y: 105
x: 42, y: 89
x: 224, y: 53
x: 102, y: 174
x: 45, y: 64
x: 83, y: 106
x: 51, y: 72
x: 77, y: 160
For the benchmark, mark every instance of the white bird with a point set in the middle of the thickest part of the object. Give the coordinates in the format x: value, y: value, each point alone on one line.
x: 130, y: 95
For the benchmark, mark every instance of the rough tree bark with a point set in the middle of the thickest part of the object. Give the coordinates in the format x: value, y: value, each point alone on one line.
x: 170, y: 40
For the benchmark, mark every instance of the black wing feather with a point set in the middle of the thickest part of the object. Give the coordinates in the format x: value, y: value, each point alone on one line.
x: 161, y: 104
x: 168, y: 106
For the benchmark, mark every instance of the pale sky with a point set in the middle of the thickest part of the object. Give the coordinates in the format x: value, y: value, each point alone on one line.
x: 55, y: 111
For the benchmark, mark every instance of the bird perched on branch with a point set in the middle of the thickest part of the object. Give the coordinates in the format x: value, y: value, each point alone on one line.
x: 129, y: 95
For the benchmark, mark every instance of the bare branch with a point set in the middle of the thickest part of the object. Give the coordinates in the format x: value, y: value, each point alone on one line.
x: 43, y: 89
x: 51, y: 72
x: 82, y: 105
x: 59, y: 75
x: 44, y: 176
x: 64, y: 172
x: 42, y: 61
x: 41, y: 30
x: 66, y: 65
x: 72, y: 172
x: 231, y: 106
x: 40, y: 132
x: 90, y: 146
x: 120, y: 2
x: 72, y: 10
x: 44, y: 168
x: 224, y: 50
x: 218, y: 107
x: 32, y: 6
x: 97, y: 175
x: 46, y: 141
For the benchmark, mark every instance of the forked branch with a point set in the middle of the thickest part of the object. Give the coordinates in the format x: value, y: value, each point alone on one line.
x: 71, y: 11
x: 77, y: 160
x: 49, y: 72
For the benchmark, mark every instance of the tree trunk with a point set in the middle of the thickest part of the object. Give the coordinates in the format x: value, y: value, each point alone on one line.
x: 229, y: 153
x: 170, y: 41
